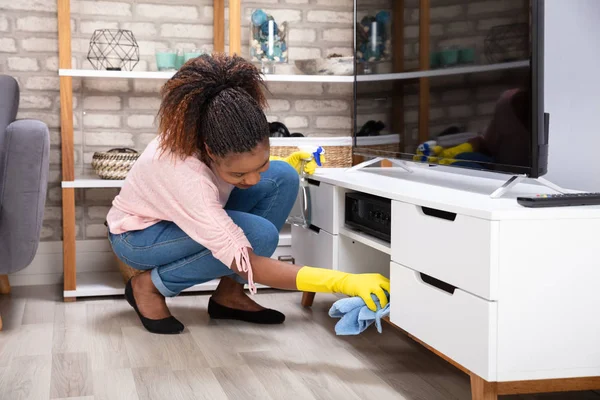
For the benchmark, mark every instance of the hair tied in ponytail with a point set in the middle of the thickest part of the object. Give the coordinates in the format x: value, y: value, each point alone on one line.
x: 197, y: 111
x: 211, y: 93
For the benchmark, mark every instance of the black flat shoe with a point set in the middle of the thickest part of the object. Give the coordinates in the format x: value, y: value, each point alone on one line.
x: 164, y: 326
x: 266, y: 316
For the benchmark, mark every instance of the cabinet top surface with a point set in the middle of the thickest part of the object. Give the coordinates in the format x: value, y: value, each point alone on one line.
x: 454, y: 192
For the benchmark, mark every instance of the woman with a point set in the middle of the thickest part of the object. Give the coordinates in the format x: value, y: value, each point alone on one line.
x: 204, y: 201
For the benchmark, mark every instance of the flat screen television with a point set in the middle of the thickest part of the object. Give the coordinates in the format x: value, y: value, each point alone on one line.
x: 452, y: 82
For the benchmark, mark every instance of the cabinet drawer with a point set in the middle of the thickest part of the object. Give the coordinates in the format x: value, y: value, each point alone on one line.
x: 283, y: 252
x: 457, y: 324
x: 321, y: 202
x: 313, y: 248
x: 454, y: 248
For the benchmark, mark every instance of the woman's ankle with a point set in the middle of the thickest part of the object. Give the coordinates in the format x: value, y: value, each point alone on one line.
x: 228, y: 287
x: 230, y: 293
x: 150, y: 301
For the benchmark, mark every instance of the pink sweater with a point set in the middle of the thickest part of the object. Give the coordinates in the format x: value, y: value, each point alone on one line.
x: 160, y: 187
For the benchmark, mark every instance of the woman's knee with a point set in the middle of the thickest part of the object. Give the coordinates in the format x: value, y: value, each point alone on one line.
x: 264, y: 238
x: 285, y: 174
x: 288, y: 182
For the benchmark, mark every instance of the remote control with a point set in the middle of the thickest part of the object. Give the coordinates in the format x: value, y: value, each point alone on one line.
x: 560, y: 200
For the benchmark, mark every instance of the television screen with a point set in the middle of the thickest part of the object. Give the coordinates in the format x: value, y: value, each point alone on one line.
x: 451, y: 82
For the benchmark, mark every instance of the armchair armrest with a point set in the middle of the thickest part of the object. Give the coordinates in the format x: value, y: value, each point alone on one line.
x: 24, y: 165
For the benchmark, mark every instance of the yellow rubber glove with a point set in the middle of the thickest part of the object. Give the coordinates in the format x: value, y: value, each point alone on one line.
x: 444, y: 156
x: 295, y: 160
x: 452, y: 152
x: 319, y: 280
x: 428, y: 153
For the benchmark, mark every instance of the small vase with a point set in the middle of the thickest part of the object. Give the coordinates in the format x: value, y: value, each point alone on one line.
x: 374, y: 38
x: 268, y: 40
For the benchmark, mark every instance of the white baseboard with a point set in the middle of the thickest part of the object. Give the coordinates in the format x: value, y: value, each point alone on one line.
x: 91, y: 256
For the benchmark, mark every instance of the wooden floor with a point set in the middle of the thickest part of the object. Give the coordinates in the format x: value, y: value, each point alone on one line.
x: 96, y: 349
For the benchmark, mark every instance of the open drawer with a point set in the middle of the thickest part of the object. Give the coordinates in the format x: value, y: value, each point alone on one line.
x: 317, y: 205
x: 314, y: 247
x: 455, y: 323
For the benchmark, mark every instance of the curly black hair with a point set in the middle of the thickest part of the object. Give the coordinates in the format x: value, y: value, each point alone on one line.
x: 213, y: 100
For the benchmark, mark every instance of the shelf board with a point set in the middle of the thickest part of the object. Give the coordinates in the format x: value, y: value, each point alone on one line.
x: 90, y: 73
x: 310, y: 78
x: 111, y: 284
x: 92, y: 182
x: 365, y: 239
x: 469, y: 69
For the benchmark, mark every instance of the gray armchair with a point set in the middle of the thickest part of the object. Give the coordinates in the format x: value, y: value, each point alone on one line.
x: 24, y: 164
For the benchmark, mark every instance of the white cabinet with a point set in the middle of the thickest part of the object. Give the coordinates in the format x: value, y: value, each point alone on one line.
x: 505, y: 291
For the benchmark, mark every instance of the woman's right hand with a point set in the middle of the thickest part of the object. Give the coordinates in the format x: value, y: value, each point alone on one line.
x: 363, y: 285
x: 319, y: 280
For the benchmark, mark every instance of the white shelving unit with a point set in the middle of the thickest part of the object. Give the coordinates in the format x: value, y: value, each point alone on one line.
x: 90, y: 73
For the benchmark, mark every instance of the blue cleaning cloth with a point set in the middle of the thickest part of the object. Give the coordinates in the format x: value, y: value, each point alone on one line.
x: 355, y: 316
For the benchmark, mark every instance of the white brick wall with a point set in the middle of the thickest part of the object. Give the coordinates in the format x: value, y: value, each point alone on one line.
x: 110, y: 139
x: 296, y: 122
x: 37, y: 24
x: 92, y: 120
x: 3, y: 23
x: 30, y: 5
x: 102, y: 103
x: 186, y: 31
x: 112, y: 8
x: 8, y: 45
x: 330, y: 17
x: 40, y: 45
x: 23, y: 64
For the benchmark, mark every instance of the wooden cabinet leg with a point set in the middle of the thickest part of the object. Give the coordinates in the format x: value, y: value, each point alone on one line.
x: 308, y: 299
x: 482, y: 389
x: 4, y: 284
x: 69, y: 262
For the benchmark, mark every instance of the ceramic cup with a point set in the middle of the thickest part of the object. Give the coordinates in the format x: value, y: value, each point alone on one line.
x: 466, y: 56
x: 166, y: 59
x: 180, y: 58
x: 434, y: 60
x: 449, y: 57
x: 193, y: 53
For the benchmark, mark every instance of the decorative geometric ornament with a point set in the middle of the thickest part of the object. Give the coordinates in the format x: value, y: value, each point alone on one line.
x: 113, y: 50
x: 506, y: 43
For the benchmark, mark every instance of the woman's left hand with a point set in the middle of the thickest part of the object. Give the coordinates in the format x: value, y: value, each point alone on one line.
x: 295, y: 160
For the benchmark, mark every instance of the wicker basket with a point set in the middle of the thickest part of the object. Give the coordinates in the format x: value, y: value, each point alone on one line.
x: 126, y: 271
x: 335, y: 156
x: 115, y: 163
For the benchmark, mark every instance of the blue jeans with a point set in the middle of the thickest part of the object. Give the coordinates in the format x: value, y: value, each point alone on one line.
x: 177, y: 262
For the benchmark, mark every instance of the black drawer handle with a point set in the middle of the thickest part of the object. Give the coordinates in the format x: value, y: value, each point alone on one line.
x: 432, y: 212
x: 430, y: 280
x: 288, y: 259
x: 313, y: 182
x: 314, y: 228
